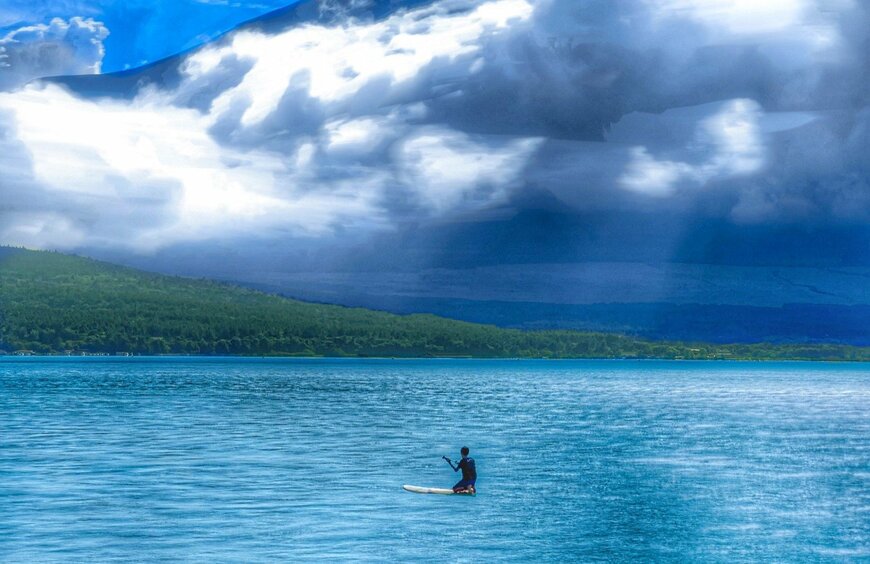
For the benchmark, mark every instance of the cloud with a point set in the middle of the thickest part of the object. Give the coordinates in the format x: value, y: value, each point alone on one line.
x: 275, y: 151
x: 354, y: 67
x: 447, y: 168
x: 821, y: 174
x: 737, y: 17
x: 348, y: 125
x: 116, y: 166
x: 648, y: 175
x: 73, y: 46
x: 732, y: 137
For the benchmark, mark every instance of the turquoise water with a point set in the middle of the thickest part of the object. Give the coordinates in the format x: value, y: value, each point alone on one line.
x: 252, y: 460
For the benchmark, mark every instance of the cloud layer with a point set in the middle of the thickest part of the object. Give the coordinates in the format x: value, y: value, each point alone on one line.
x: 340, y: 127
x: 59, y: 47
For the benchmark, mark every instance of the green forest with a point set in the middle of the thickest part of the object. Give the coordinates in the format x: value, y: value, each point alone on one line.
x: 52, y: 303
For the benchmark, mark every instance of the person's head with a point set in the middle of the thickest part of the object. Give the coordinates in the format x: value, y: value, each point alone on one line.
x: 464, y: 451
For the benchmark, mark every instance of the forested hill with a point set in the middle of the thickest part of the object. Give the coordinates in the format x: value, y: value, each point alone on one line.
x: 52, y: 303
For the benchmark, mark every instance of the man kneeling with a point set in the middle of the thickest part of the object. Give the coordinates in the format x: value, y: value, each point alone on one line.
x: 469, y: 473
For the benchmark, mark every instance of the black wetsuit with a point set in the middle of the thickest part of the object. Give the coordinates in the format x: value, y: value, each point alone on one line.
x: 469, y: 472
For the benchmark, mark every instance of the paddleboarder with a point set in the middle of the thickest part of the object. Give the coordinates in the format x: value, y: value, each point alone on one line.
x: 469, y: 472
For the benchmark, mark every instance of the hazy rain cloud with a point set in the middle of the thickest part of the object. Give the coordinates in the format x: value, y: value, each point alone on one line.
x: 346, y: 125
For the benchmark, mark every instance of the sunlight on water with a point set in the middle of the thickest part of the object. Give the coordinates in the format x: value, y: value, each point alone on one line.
x: 234, y: 459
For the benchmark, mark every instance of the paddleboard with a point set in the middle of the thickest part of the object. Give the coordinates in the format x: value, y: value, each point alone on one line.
x: 422, y: 490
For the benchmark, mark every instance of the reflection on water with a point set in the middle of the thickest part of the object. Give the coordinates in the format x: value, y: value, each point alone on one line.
x: 237, y: 459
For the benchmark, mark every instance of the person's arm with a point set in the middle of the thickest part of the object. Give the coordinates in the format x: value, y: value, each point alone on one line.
x: 450, y: 462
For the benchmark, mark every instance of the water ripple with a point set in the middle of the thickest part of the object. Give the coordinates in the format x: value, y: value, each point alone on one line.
x: 263, y: 460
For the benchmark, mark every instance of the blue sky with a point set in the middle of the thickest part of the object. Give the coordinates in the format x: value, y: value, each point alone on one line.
x: 142, y: 30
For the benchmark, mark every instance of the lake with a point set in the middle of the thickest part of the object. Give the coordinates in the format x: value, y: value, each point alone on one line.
x: 290, y: 460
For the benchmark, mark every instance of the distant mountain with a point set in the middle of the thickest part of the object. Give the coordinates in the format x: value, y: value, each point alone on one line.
x: 55, y: 303
x: 547, y: 270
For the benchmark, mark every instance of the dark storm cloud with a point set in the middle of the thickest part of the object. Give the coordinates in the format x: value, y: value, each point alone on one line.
x: 337, y: 119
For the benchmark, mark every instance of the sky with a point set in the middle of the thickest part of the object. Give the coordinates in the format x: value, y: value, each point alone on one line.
x: 140, y: 31
x: 359, y: 134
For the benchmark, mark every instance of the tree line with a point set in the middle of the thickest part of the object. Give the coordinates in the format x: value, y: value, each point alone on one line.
x: 52, y: 303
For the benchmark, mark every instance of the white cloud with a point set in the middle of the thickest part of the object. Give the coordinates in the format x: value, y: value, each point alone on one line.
x: 336, y: 63
x: 114, y: 154
x: 42, y: 230
x: 735, y: 134
x: 107, y: 161
x: 447, y: 168
x: 59, y: 47
x: 360, y: 135
x: 653, y: 177
x: 732, y: 139
x: 750, y: 19
x: 737, y: 16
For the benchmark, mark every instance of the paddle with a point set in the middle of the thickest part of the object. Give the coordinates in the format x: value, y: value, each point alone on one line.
x: 450, y: 462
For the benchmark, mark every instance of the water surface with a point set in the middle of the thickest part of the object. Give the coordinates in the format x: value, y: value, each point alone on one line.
x: 253, y: 459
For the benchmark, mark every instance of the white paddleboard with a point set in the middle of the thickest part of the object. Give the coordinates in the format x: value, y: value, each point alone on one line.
x: 422, y: 490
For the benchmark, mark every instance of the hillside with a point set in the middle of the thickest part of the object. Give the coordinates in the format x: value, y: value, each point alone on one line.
x: 51, y: 302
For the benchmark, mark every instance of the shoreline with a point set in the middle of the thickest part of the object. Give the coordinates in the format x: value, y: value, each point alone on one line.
x: 108, y: 357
